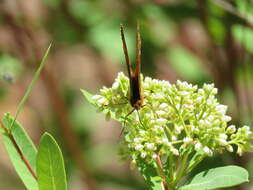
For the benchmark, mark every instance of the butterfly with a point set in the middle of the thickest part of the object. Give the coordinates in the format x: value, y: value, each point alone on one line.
x: 136, y: 97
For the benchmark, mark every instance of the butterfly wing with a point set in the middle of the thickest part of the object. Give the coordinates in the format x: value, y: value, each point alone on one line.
x: 135, y: 94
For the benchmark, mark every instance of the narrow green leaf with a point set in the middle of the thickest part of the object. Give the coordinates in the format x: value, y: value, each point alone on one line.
x: 88, y: 96
x: 30, y: 87
x: 220, y: 177
x: 50, y: 165
x: 28, y: 149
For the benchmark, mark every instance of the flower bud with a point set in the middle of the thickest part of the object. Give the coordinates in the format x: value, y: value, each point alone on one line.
x: 229, y: 148
x: 231, y: 129
x: 208, y: 151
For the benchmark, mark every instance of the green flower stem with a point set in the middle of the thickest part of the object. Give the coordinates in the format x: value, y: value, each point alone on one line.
x: 178, y: 113
x: 195, y: 163
x: 171, y: 169
x: 182, y: 170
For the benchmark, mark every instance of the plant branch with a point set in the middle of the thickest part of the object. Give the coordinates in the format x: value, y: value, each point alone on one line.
x: 229, y: 8
x: 161, y: 173
x: 19, y: 151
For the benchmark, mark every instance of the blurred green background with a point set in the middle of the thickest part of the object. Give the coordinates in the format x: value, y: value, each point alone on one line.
x: 198, y: 41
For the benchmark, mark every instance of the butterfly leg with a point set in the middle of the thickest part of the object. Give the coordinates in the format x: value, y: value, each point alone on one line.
x: 124, y: 124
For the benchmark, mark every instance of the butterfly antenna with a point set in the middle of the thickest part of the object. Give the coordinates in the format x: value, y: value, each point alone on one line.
x: 138, y: 50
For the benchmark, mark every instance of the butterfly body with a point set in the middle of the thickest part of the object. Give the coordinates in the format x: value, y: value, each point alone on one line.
x: 135, y: 92
x: 135, y: 86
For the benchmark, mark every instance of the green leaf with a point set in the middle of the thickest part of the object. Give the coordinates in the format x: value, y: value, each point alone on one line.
x: 28, y: 149
x: 220, y: 177
x: 149, y: 173
x: 31, y: 85
x: 88, y: 96
x: 50, y: 165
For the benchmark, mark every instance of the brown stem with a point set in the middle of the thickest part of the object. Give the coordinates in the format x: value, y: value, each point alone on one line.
x: 22, y: 156
x: 159, y: 162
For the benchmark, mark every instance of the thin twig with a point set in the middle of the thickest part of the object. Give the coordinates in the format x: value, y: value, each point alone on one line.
x: 19, y: 151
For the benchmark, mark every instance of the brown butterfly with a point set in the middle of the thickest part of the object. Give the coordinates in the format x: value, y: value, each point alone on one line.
x: 135, y: 90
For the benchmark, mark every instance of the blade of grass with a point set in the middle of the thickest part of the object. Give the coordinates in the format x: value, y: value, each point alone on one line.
x: 30, y: 87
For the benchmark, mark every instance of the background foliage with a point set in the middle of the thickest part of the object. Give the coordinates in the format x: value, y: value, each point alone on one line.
x: 197, y: 40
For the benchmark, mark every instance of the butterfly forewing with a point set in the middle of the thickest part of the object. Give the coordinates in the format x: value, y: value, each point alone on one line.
x: 135, y: 90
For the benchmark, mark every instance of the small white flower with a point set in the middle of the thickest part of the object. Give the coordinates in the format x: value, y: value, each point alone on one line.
x: 192, y: 128
x: 210, y: 118
x: 145, y: 85
x: 96, y: 97
x: 223, y: 142
x: 231, y: 129
x: 154, y: 156
x: 201, y: 122
x: 201, y: 91
x: 142, y: 132
x: 165, y: 140
x: 226, y: 118
x: 160, y: 112
x: 198, y: 146
x: 215, y: 91
x: 161, y: 121
x: 208, y: 87
x: 143, y: 154
x: 175, y: 151
x: 158, y: 128
x: 163, y: 105
x: 150, y: 146
x: 159, y: 96
x: 137, y: 139
x: 223, y: 136
x: 239, y: 151
x: 138, y: 147
x: 102, y: 101
x: 188, y: 106
x: 199, y: 99
x: 115, y: 85
x: 221, y: 109
x: 208, y: 151
x: 184, y: 93
x: 173, y: 138
x: 209, y: 101
x: 187, y: 140
x: 178, y: 129
x: 229, y: 148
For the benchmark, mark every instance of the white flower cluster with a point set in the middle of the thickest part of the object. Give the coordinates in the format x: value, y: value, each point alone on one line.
x: 174, y: 118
